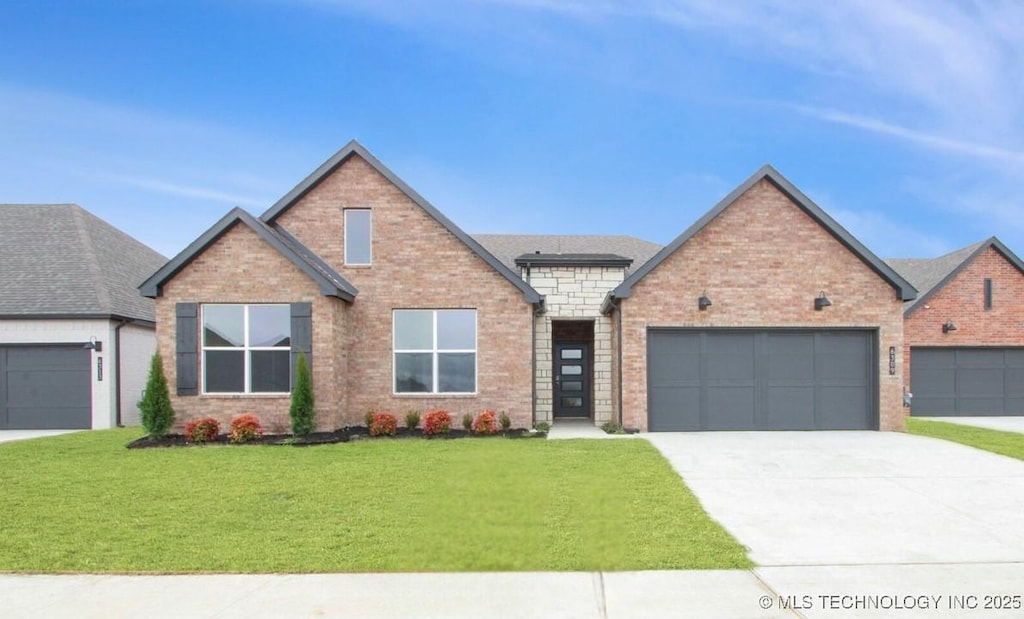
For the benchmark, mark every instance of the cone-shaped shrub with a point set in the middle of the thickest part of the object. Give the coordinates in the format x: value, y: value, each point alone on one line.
x: 157, y: 414
x: 302, y: 399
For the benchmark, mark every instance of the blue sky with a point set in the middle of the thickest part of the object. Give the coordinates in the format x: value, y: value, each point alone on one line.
x: 904, y: 120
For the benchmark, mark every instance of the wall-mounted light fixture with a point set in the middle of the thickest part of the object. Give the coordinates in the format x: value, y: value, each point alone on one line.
x: 949, y: 326
x: 94, y: 344
x: 703, y: 302
x: 821, y: 301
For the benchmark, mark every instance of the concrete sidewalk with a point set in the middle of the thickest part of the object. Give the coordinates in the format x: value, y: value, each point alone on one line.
x: 938, y: 590
x: 21, y: 435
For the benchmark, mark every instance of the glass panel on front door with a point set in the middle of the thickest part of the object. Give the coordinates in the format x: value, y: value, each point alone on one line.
x: 572, y: 379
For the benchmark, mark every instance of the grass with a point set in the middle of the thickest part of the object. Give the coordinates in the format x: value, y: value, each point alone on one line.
x: 83, y: 503
x: 1005, y: 443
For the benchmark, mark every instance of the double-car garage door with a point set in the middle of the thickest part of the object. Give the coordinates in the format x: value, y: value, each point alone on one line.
x: 771, y: 379
x: 44, y: 387
x: 967, y: 381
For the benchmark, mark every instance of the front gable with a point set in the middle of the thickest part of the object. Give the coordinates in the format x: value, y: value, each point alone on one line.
x: 769, y: 196
x: 407, y: 231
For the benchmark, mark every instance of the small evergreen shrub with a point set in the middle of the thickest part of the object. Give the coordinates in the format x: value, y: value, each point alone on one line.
x: 383, y: 424
x: 437, y: 422
x: 203, y: 430
x: 157, y: 414
x: 542, y: 426
x: 467, y: 422
x: 368, y: 418
x: 302, y: 408
x: 412, y: 419
x: 485, y: 423
x: 610, y: 427
x: 505, y: 421
x: 245, y: 428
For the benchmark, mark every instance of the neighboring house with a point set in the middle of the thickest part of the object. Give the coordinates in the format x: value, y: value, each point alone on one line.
x: 69, y: 281
x: 964, y: 334
x: 765, y: 314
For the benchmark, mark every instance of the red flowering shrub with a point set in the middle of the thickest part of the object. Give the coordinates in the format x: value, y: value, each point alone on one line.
x: 245, y: 428
x: 437, y: 422
x: 383, y: 424
x: 202, y: 430
x: 485, y: 423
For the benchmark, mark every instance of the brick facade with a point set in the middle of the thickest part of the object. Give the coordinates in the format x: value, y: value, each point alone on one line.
x: 417, y: 264
x: 962, y: 300
x: 762, y: 261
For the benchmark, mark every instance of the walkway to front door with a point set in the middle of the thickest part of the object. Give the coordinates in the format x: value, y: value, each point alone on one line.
x: 572, y: 378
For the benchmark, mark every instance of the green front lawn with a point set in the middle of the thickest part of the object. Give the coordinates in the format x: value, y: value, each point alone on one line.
x: 84, y: 503
x: 1005, y: 443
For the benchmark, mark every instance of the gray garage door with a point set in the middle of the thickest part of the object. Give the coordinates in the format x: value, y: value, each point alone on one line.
x: 44, y: 387
x: 720, y: 379
x: 967, y: 381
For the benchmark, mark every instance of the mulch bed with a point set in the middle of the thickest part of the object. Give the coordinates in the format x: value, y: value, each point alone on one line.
x: 343, y: 435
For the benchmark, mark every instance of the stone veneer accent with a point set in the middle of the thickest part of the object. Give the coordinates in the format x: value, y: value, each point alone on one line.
x: 574, y: 293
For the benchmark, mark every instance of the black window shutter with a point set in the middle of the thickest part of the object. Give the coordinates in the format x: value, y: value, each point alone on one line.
x: 187, y: 348
x: 302, y: 333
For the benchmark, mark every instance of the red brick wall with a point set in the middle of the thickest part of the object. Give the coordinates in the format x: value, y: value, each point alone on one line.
x: 417, y: 263
x: 762, y: 262
x: 962, y: 300
x: 243, y: 268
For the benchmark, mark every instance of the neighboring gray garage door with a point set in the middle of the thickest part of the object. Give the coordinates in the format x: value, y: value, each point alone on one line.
x: 967, y: 381
x: 722, y: 379
x: 44, y: 387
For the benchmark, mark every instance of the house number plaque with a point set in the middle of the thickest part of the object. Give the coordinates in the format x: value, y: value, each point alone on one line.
x: 892, y: 360
x: 99, y: 369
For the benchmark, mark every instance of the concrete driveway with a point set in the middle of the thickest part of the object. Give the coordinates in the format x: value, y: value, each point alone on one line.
x: 854, y: 498
x: 20, y: 435
x: 1006, y: 424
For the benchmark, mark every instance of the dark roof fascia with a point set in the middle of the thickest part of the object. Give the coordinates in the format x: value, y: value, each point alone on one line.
x: 904, y: 289
x: 355, y: 148
x: 567, y: 260
x: 128, y: 319
x: 992, y: 242
x: 152, y: 287
x: 317, y: 262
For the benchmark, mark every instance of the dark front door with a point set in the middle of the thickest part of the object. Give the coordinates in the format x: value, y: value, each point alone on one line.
x: 572, y: 379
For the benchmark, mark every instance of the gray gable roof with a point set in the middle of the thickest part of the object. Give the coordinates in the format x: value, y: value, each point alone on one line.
x: 767, y: 172
x: 354, y: 148
x: 929, y: 275
x: 61, y: 260
x: 508, y: 247
x: 331, y: 283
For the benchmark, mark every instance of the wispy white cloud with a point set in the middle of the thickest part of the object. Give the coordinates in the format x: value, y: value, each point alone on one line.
x: 188, y: 191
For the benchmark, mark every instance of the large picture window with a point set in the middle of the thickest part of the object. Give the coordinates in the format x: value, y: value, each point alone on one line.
x: 435, y: 351
x: 246, y: 349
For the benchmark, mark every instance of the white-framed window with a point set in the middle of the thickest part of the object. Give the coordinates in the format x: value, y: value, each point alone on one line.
x: 435, y: 351
x: 246, y: 348
x: 358, y: 237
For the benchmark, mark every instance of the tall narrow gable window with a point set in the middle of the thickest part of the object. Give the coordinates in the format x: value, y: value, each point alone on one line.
x: 988, y: 294
x: 435, y: 351
x: 358, y: 237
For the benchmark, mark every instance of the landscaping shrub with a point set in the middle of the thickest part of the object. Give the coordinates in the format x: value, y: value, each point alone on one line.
x: 412, y: 419
x: 157, y: 414
x: 437, y: 422
x: 467, y: 422
x: 610, y: 427
x: 245, y: 428
x: 383, y: 424
x: 302, y: 411
x: 505, y: 421
x: 368, y: 418
x: 485, y: 423
x: 542, y: 426
x: 203, y: 430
